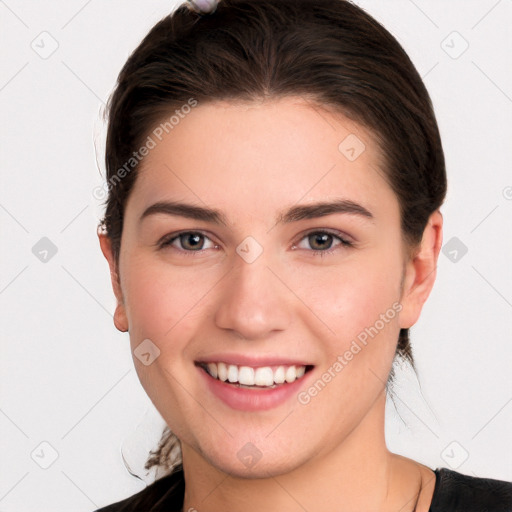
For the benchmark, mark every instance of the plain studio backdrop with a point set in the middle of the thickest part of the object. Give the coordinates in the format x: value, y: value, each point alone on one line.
x: 70, y: 394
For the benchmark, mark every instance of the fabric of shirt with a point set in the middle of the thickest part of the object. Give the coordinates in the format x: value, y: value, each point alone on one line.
x: 453, y: 492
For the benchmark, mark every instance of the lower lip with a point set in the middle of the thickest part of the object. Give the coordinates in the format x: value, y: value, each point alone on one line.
x: 244, y: 399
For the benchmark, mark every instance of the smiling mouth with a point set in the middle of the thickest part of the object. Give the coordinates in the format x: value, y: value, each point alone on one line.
x: 262, y: 377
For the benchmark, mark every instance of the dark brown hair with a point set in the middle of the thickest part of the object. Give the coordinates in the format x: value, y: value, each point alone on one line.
x: 330, y: 52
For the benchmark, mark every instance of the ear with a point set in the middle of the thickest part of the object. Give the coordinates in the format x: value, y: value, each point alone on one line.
x: 120, y: 319
x: 420, y: 271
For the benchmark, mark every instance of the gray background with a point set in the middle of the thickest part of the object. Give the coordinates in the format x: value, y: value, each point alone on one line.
x: 70, y: 395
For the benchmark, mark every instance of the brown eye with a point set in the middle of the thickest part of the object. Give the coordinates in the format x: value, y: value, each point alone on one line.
x: 321, y: 242
x: 189, y: 241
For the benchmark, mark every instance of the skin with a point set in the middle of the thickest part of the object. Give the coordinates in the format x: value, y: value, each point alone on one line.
x: 252, y: 161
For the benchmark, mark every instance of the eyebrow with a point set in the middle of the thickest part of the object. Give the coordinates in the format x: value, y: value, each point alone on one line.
x: 293, y: 214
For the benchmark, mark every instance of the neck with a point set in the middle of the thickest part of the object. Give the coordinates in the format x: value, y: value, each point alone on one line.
x: 358, y: 474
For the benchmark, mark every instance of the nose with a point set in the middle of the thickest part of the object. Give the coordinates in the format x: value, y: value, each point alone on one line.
x: 255, y: 301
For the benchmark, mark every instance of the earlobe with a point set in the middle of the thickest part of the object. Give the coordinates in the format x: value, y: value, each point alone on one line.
x: 120, y: 319
x: 420, y: 272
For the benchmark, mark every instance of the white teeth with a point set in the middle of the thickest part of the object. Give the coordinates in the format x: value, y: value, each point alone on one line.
x: 248, y: 376
x: 264, y: 376
x: 290, y: 374
x: 212, y: 368
x: 222, y: 371
x: 279, y: 375
x: 232, y: 373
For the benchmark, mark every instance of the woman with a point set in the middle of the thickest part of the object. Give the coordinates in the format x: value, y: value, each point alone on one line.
x: 275, y: 175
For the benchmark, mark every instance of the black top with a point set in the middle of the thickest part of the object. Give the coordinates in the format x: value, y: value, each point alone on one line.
x: 453, y: 492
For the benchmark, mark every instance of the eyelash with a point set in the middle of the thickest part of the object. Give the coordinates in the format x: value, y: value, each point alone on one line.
x: 166, y: 242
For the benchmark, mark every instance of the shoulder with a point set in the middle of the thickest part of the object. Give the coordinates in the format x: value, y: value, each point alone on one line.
x: 164, y: 494
x: 456, y: 491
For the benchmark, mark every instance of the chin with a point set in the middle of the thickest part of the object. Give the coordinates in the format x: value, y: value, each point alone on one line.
x: 254, y: 460
x: 267, y: 468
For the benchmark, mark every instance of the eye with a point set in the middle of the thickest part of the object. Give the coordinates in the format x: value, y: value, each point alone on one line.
x: 190, y: 241
x: 322, y: 242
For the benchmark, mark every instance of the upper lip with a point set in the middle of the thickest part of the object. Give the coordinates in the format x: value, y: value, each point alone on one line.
x: 246, y: 360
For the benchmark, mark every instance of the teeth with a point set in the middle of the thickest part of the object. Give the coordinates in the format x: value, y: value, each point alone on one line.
x: 232, y: 373
x: 264, y: 376
x: 247, y: 376
x: 222, y: 371
x: 279, y: 375
x: 212, y: 369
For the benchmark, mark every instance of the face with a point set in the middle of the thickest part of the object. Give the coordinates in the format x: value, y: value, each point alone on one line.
x: 270, y: 281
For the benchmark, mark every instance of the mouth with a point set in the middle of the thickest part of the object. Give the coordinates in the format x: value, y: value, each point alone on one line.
x: 252, y: 377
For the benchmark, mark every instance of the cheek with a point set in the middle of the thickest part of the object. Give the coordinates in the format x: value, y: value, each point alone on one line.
x: 166, y: 305
x: 353, y: 295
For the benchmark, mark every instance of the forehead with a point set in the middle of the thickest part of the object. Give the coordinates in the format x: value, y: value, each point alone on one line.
x: 260, y: 155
